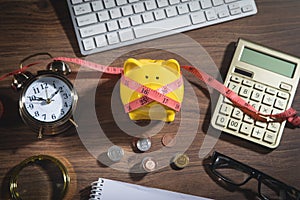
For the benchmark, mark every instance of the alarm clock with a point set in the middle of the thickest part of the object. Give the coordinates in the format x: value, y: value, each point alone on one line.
x: 47, y: 100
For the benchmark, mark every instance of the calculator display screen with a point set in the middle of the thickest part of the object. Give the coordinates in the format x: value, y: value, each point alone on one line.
x: 268, y: 62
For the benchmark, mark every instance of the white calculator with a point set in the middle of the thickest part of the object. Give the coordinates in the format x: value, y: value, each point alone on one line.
x: 265, y: 78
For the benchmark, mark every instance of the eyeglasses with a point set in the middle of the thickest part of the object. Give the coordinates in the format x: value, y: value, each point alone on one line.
x: 236, y: 173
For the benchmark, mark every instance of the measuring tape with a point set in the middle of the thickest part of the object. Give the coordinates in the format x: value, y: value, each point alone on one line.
x: 159, y: 95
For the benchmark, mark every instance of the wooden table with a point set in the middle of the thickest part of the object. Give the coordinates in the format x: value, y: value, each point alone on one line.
x: 35, y: 26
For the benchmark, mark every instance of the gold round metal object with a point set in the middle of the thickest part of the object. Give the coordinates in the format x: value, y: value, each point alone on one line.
x: 35, y: 160
x: 181, y: 160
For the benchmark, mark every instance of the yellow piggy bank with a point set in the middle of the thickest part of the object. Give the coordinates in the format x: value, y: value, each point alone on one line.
x: 154, y: 74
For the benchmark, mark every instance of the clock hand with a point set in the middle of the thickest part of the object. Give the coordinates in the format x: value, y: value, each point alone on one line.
x: 52, y: 95
x: 37, y: 98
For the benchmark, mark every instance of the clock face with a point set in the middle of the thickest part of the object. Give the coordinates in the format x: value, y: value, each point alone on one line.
x: 48, y: 99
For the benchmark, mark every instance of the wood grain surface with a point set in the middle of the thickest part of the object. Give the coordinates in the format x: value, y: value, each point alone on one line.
x: 35, y: 26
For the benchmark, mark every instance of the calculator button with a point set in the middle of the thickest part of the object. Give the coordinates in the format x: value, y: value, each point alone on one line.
x: 234, y: 87
x: 221, y: 120
x: 271, y: 91
x: 237, y: 113
x: 283, y: 95
x: 248, y: 119
x: 256, y: 95
x: 274, y: 126
x: 268, y: 100
x: 225, y: 109
x: 236, y: 79
x: 254, y: 105
x: 233, y: 124
x: 270, y: 137
x: 246, y: 129
x: 259, y: 87
x: 280, y: 103
x: 261, y: 124
x: 245, y: 91
x: 258, y: 133
x: 265, y: 109
x: 285, y: 86
x: 248, y: 83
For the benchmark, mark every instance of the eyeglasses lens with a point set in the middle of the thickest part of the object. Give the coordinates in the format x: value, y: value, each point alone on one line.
x: 230, y: 171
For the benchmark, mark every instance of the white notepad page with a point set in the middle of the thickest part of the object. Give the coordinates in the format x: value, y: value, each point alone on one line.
x: 106, y: 189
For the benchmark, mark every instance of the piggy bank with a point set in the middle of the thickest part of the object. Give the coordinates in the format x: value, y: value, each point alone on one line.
x: 154, y: 74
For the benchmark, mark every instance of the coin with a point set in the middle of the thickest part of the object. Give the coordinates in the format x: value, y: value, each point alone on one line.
x: 168, y: 140
x: 149, y: 164
x: 181, y: 160
x: 143, y: 144
x: 115, y: 153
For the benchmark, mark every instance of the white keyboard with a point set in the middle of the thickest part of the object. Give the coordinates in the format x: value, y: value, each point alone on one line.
x: 102, y: 25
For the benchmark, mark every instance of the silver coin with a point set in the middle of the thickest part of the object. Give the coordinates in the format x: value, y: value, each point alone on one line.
x: 143, y: 144
x: 115, y: 153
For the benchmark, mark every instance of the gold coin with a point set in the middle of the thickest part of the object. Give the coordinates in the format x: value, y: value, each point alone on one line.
x: 168, y: 140
x: 181, y: 160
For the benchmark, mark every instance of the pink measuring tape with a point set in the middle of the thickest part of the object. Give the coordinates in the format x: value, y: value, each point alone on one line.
x: 159, y: 95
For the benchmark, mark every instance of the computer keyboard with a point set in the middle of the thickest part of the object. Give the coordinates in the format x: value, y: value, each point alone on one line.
x: 102, y: 25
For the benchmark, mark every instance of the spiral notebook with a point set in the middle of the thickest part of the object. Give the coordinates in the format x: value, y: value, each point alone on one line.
x: 106, y: 189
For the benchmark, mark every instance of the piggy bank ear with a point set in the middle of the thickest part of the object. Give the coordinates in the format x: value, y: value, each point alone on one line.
x: 131, y: 64
x: 173, y: 65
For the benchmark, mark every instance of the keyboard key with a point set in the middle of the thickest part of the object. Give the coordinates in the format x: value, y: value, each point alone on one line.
x: 235, y: 11
x: 259, y: 87
x: 223, y: 13
x: 136, y: 20
x: 271, y: 90
x: 76, y: 1
x: 159, y: 14
x: 162, y: 26
x: 147, y: 17
x: 115, y: 13
x: 247, y: 8
x: 121, y: 2
x: 234, y: 6
x: 285, y: 86
x: 162, y: 3
x: 198, y: 17
x: 268, y: 100
x: 182, y: 9
x: 245, y: 91
x: 150, y: 5
x: 101, y: 41
x: 92, y: 30
x: 205, y: 4
x: 109, y: 3
x: 86, y: 19
x: 248, y: 82
x: 103, y: 16
x: 274, y: 126
x: 256, y: 96
x: 113, y: 38
x: 112, y: 25
x: 194, y: 6
x: 127, y: 10
x: 88, y: 44
x: 217, y: 2
x: 82, y: 9
x: 124, y: 22
x: 283, y: 95
x: 211, y: 14
x: 126, y: 35
x: 139, y: 7
x: 236, y: 79
x: 172, y: 2
x: 97, y: 5
x: 171, y: 11
x: 234, y: 87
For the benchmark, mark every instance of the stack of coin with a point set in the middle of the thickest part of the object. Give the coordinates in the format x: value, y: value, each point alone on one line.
x: 180, y: 161
x: 143, y: 144
x: 115, y: 153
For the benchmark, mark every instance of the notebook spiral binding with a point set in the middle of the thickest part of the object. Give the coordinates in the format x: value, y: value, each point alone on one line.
x: 96, y: 190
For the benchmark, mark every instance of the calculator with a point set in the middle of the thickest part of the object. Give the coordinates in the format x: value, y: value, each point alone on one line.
x: 265, y: 78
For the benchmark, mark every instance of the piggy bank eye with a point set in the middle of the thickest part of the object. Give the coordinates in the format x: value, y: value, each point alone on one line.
x: 146, y: 76
x: 157, y: 77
